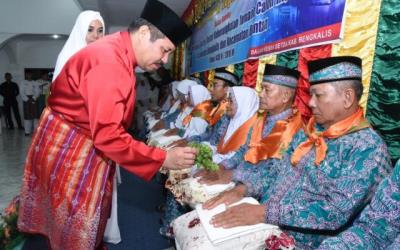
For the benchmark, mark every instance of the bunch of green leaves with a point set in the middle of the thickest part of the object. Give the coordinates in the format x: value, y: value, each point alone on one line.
x: 204, y: 156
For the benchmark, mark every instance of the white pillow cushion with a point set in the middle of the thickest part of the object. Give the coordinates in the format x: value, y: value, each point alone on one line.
x: 190, y: 234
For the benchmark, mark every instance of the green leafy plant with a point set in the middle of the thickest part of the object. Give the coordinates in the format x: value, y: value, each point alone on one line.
x: 204, y: 156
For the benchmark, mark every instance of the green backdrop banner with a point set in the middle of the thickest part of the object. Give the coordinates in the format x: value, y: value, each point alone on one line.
x: 383, y: 108
x: 288, y: 59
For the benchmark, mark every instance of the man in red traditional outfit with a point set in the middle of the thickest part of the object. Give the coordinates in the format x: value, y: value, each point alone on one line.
x: 67, y: 186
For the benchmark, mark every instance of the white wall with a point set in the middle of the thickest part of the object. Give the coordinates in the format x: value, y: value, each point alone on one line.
x: 8, y: 61
x: 33, y: 17
x: 4, y: 63
x: 38, y: 16
x: 25, y: 52
x: 5, y: 36
x: 38, y: 54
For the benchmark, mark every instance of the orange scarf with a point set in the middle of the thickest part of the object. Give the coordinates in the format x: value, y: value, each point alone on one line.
x: 353, y: 123
x: 277, y: 142
x: 217, y: 112
x: 238, y: 138
x: 258, y: 127
x: 201, y: 110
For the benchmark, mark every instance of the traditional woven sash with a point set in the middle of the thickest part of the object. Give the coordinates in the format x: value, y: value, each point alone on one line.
x: 67, y: 186
x: 353, y: 123
x: 238, y: 138
x: 201, y: 110
x: 277, y: 142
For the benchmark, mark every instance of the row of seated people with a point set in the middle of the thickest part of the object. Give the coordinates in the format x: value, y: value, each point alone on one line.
x: 317, y: 180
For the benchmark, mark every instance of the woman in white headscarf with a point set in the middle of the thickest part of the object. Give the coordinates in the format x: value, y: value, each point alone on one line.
x: 174, y: 119
x: 193, y: 124
x: 169, y: 105
x: 183, y: 92
x: 241, y: 111
x: 244, y: 103
x: 89, y: 26
x: 196, y: 125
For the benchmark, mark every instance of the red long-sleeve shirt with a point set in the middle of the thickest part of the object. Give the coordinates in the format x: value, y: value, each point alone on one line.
x: 96, y: 92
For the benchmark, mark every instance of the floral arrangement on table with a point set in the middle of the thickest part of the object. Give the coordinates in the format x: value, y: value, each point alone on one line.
x: 10, y: 237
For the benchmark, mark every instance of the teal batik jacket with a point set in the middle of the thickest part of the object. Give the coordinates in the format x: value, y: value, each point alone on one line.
x: 313, y: 202
x: 378, y: 227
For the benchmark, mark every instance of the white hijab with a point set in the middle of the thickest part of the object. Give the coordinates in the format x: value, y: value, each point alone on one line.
x: 77, y: 38
x: 174, y: 85
x: 177, y: 102
x: 183, y: 86
x: 247, y: 102
x: 167, y: 105
x: 199, y: 94
x: 174, y: 107
x: 197, y: 125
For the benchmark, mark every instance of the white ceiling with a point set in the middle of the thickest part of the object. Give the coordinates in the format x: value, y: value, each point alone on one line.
x: 45, y: 17
x: 122, y: 12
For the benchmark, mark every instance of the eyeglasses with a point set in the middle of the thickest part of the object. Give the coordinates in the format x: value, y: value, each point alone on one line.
x: 214, y: 85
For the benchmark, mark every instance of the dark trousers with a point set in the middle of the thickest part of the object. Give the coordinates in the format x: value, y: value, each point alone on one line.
x: 7, y: 112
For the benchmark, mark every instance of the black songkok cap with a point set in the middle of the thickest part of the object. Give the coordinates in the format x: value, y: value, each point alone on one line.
x: 280, y: 75
x: 227, y: 76
x: 166, y: 21
x: 271, y: 69
x: 334, y: 69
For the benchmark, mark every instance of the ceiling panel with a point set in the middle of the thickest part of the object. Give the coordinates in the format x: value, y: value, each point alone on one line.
x: 122, y: 12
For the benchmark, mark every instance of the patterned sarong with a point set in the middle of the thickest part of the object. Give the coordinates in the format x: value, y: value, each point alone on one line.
x: 67, y: 186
